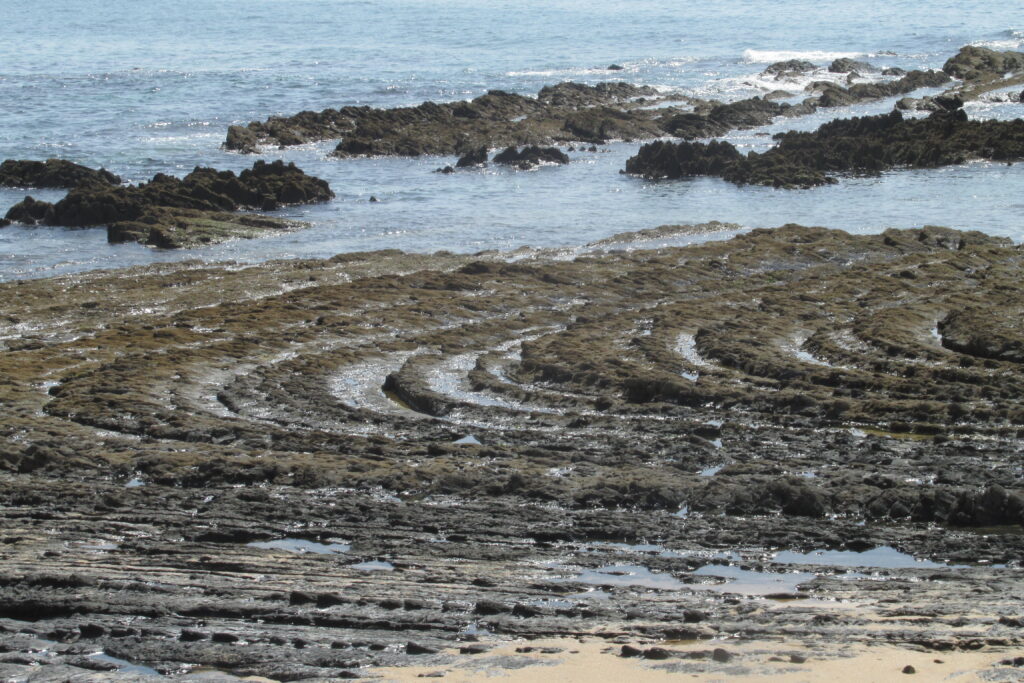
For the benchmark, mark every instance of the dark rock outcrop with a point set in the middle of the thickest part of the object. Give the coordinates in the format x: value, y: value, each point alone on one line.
x: 474, y: 157
x: 845, y: 65
x: 563, y: 113
x: 56, y: 173
x: 981, y: 63
x: 790, y: 66
x: 531, y: 156
x: 172, y: 212
x: 869, y: 144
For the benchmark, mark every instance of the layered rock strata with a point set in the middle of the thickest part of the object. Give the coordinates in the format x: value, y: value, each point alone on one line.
x: 304, y: 468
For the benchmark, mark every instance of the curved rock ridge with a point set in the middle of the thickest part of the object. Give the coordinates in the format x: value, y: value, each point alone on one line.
x: 171, y: 212
x: 564, y: 113
x: 863, y: 145
x: 58, y: 173
x: 804, y: 329
x: 304, y: 468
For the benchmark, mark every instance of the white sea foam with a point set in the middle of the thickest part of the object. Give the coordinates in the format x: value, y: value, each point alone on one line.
x: 1008, y: 44
x: 771, y: 56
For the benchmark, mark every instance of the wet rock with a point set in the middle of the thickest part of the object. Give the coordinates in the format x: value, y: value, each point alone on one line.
x: 615, y: 67
x: 566, y: 112
x: 908, y: 669
x: 488, y: 607
x: 530, y: 157
x: 721, y: 655
x: 974, y: 63
x: 869, y: 144
x: 56, y: 173
x: 656, y: 653
x: 29, y: 211
x: 475, y: 157
x: 630, y: 651
x: 790, y: 66
x: 170, y: 212
x: 845, y: 65
x: 412, y: 648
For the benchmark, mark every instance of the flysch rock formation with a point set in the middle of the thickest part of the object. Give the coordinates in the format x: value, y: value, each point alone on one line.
x: 306, y: 468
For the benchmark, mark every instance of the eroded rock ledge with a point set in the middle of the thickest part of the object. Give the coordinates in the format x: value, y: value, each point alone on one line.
x: 692, y: 401
x: 563, y: 113
x: 170, y: 212
x: 695, y: 402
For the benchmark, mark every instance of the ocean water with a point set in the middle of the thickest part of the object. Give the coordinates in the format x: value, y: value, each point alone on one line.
x: 141, y: 88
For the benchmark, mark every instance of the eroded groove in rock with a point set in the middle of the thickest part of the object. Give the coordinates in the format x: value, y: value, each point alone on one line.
x: 789, y: 388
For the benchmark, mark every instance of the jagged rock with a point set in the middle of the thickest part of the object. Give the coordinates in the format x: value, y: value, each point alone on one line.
x: 56, y: 173
x: 474, y: 157
x: 845, y: 65
x: 530, y: 156
x: 566, y: 112
x: 981, y: 63
x: 869, y: 144
x: 170, y: 212
x: 790, y: 66
x: 29, y: 211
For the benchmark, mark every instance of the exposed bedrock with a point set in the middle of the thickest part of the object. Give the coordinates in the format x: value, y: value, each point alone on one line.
x: 790, y: 338
x: 530, y: 156
x: 981, y: 63
x: 298, y: 469
x: 563, y: 113
x: 58, y: 173
x: 172, y: 212
x: 869, y: 144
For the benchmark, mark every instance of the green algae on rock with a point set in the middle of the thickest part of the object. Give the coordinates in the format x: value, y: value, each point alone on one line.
x: 164, y: 425
x: 170, y: 212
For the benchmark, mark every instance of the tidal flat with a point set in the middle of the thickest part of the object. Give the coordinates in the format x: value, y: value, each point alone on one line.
x: 787, y: 447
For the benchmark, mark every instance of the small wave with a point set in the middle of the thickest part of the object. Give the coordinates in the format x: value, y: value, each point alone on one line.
x: 547, y: 73
x: 1006, y: 44
x: 771, y: 56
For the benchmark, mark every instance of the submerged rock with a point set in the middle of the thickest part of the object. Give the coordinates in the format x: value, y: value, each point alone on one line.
x: 57, y: 173
x: 171, y: 212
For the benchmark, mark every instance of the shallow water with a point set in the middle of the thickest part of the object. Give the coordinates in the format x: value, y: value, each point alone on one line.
x: 146, y: 88
x: 300, y: 545
x: 882, y: 557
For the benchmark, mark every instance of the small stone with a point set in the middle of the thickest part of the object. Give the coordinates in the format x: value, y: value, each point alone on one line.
x: 909, y: 669
x: 656, y: 653
x: 412, y: 648
x: 630, y: 651
x: 797, y: 659
x: 721, y: 655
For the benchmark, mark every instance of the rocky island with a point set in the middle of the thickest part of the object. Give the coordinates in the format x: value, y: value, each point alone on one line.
x: 168, y: 212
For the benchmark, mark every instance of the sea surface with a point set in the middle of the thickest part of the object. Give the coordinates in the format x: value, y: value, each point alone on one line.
x: 141, y: 88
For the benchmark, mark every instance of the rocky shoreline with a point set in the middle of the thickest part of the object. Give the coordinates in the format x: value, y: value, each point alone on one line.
x: 306, y: 469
